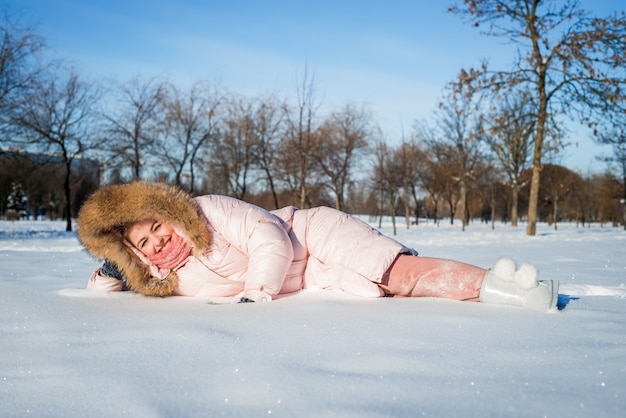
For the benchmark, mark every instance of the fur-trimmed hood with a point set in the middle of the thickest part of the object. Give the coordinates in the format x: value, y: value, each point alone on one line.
x: 111, y: 208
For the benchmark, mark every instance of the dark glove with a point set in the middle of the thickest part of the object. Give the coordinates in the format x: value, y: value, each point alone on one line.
x: 111, y: 270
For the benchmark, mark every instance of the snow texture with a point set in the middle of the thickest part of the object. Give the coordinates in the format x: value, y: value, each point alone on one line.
x: 73, y: 353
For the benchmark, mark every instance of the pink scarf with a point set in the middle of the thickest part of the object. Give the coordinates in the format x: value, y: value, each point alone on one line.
x: 173, y: 254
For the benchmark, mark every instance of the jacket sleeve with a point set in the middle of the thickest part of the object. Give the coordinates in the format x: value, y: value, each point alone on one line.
x: 259, y: 235
x: 101, y: 282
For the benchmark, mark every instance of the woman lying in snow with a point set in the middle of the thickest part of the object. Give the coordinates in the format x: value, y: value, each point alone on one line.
x: 163, y: 242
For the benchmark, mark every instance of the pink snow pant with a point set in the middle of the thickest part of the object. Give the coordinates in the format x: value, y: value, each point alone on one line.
x: 411, y: 276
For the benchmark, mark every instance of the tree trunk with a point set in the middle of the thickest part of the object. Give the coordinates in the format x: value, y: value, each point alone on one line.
x: 273, y: 190
x: 381, y: 209
x: 514, y: 197
x: 392, y: 205
x: 533, y: 199
x: 623, y: 207
x: 542, y: 117
x: 303, y: 171
x: 463, y: 208
x: 407, y: 213
x: 436, y: 211
x: 555, y: 211
x: 451, y: 212
x: 338, y: 189
x: 493, y: 211
x: 417, y: 205
x: 68, y: 196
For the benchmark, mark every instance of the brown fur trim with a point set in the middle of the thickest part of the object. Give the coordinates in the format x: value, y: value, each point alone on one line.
x: 110, y: 209
x: 165, y: 287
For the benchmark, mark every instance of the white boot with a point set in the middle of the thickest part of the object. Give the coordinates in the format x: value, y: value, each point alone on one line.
x: 507, y: 286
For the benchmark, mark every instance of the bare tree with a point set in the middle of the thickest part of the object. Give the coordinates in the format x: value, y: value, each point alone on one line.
x: 19, y: 48
x: 459, y: 142
x: 378, y: 174
x: 268, y: 127
x: 299, y: 140
x: 387, y: 179
x: 411, y: 159
x: 431, y: 179
x: 340, y: 140
x: 566, y: 59
x: 133, y: 124
x: 234, y: 149
x: 432, y: 174
x: 57, y: 112
x: 447, y: 181
x: 189, y: 125
x: 511, y: 138
x: 490, y: 186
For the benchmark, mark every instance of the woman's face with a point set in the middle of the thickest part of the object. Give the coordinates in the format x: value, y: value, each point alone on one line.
x: 150, y: 236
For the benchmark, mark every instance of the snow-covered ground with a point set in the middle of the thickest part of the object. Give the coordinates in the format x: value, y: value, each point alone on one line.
x: 66, y: 352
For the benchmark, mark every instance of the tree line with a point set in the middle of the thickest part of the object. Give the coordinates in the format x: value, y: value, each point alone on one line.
x: 480, y: 156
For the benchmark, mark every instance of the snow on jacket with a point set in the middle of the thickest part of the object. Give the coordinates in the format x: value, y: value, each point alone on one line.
x: 238, y: 249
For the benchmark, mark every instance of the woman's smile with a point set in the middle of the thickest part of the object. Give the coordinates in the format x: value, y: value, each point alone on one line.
x: 165, y: 244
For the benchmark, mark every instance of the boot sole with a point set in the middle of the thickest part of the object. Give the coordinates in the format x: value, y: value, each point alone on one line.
x: 554, y: 290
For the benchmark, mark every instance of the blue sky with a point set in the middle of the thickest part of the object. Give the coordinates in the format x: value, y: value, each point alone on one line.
x: 394, y: 55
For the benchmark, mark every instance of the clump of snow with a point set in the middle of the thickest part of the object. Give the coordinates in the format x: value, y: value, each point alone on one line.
x: 73, y: 353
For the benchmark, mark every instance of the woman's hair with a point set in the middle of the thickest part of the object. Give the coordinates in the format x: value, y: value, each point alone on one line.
x: 122, y: 230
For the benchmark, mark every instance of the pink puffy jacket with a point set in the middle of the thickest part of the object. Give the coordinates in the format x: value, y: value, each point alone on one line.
x: 259, y: 254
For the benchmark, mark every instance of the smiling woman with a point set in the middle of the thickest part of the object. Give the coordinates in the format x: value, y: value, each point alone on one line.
x: 165, y: 242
